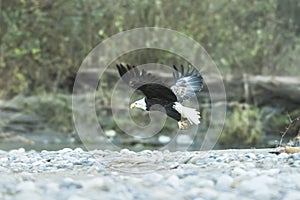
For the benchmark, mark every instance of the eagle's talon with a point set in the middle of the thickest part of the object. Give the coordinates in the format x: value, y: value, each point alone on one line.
x: 182, y: 125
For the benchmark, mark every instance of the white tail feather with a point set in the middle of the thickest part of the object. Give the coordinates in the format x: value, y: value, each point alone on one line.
x: 191, y: 114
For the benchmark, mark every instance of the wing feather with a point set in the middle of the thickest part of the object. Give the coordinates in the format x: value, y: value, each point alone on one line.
x: 148, y: 84
x: 186, y: 83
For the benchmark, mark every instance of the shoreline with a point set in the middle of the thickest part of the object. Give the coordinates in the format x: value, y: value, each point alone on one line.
x: 217, y: 174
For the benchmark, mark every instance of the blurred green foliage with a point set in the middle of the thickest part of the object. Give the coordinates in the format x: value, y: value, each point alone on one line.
x: 44, y: 42
x: 55, y: 110
x: 243, y: 126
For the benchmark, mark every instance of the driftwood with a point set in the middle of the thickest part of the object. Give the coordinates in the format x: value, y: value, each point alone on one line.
x: 289, y: 149
x: 285, y: 87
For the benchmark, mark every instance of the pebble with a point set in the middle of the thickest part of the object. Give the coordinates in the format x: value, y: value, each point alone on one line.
x: 237, y: 171
x: 292, y: 195
x: 184, y: 139
x: 94, y: 183
x: 296, y: 156
x: 224, y: 181
x: 164, y: 139
x: 80, y: 175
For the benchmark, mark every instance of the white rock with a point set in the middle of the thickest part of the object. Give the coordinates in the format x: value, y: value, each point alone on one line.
x: 127, y: 151
x: 294, y: 180
x: 173, y: 180
x: 110, y: 133
x: 205, y: 193
x: 283, y: 155
x: 272, y: 172
x: 53, y: 187
x: 94, y: 183
x: 263, y: 192
x: 250, y: 165
x: 3, y: 160
x: 17, y: 151
x: 251, y: 156
x: 296, y: 156
x: 26, y: 186
x: 204, y: 183
x: 238, y: 171
x: 183, y: 139
x: 65, y: 150
x: 28, y: 195
x: 258, y: 183
x: 154, y: 177
x: 164, y: 139
x: 296, y: 163
x: 292, y: 195
x: 227, y: 196
x: 78, y: 150
x: 224, y: 181
x: 76, y: 197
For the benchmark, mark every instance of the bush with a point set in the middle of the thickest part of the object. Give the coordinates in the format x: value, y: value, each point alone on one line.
x: 44, y: 42
x: 243, y: 127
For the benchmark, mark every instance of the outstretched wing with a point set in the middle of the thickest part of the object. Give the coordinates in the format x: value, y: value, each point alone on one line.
x: 148, y: 84
x: 186, y: 83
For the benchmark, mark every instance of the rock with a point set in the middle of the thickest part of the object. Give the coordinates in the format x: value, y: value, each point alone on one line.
x: 77, y: 174
x: 283, y: 155
x: 259, y: 186
x: 250, y: 156
x: 205, y: 193
x: 26, y: 186
x: 65, y: 150
x: 70, y: 184
x: 238, y: 171
x: 127, y: 152
x: 224, y: 181
x: 28, y: 195
x: 272, y: 172
x: 22, y: 118
x: 174, y: 165
x: 204, y: 183
x: 94, y: 183
x: 183, y: 139
x: 77, y: 197
x: 296, y: 156
x: 154, y: 177
x: 173, y: 180
x: 292, y: 195
x: 164, y: 139
x: 227, y: 196
x: 110, y: 133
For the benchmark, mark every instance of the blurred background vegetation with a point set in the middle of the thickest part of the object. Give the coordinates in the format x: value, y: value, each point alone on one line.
x: 44, y: 42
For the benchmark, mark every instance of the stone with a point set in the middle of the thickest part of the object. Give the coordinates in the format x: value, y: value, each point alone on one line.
x: 28, y: 195
x: 26, y: 186
x: 173, y: 180
x: 77, y: 197
x: 224, y: 181
x: 94, y: 183
x: 257, y: 184
x: 164, y: 139
x: 227, y: 196
x: 238, y: 171
x: 292, y: 195
x: 205, y: 193
x: 184, y: 139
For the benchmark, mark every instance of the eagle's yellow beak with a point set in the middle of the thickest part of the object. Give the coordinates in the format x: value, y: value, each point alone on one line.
x: 132, y: 105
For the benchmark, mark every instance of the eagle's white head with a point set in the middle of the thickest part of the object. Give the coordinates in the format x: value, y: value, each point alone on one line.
x: 139, y: 104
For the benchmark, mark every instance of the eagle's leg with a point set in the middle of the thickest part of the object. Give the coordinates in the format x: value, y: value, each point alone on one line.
x: 182, y: 124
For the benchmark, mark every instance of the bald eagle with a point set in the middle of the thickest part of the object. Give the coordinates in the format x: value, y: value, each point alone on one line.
x: 186, y: 84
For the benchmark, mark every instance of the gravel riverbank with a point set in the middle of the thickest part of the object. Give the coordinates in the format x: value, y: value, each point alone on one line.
x: 80, y: 175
